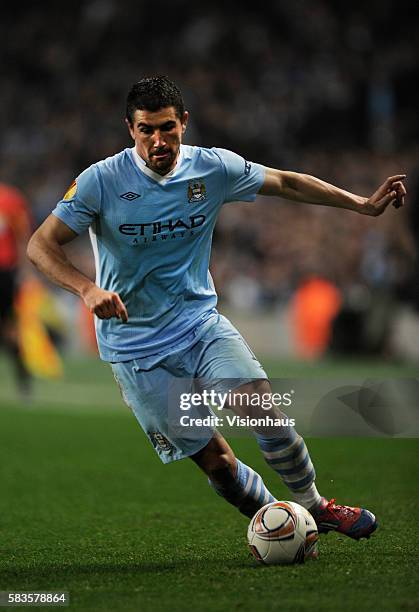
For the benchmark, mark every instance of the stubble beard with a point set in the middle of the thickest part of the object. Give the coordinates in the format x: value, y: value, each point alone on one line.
x: 162, y: 167
x: 165, y: 165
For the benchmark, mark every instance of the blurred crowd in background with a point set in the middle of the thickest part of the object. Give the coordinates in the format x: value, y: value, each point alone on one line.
x: 327, y: 88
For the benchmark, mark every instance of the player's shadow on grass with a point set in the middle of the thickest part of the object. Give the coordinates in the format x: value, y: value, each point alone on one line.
x: 50, y: 575
x: 59, y: 574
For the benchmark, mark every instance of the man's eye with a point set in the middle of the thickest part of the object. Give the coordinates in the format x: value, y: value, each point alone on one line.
x: 145, y: 131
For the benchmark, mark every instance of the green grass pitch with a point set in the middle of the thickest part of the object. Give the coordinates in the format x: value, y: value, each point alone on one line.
x: 87, y: 507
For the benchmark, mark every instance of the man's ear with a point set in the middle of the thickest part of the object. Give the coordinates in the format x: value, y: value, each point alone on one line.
x: 130, y: 128
x: 184, y: 121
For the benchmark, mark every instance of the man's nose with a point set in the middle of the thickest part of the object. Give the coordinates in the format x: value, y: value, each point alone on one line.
x: 158, y: 139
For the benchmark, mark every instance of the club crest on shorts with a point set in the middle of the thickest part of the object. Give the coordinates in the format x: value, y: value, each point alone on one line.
x: 197, y: 191
x: 158, y: 439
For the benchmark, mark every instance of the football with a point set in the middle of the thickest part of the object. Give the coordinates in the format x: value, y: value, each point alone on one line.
x: 282, y: 533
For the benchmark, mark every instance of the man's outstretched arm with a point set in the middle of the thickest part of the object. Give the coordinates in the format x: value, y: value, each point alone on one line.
x: 46, y: 253
x: 309, y: 189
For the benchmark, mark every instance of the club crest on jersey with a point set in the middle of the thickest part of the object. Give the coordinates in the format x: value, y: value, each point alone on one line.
x: 71, y: 191
x: 197, y: 191
x: 158, y: 439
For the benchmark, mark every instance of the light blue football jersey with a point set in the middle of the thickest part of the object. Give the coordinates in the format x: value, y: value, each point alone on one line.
x: 151, y: 237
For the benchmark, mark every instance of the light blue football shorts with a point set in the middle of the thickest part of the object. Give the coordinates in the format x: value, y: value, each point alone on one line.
x: 213, y: 356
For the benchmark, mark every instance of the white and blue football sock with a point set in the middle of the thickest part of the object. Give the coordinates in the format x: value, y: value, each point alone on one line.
x: 289, y: 457
x: 246, y: 490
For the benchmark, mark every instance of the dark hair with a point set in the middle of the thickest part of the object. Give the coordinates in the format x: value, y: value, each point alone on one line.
x: 153, y: 94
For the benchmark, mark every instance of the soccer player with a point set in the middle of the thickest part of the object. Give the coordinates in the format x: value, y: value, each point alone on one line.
x: 15, y: 229
x: 151, y: 211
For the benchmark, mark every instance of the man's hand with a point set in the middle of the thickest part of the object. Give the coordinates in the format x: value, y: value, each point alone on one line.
x: 105, y: 304
x: 392, y: 191
x: 46, y: 252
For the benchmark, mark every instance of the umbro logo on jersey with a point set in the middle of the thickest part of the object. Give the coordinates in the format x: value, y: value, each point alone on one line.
x: 130, y: 195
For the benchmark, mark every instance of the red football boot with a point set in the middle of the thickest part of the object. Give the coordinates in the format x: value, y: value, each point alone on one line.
x: 356, y: 523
